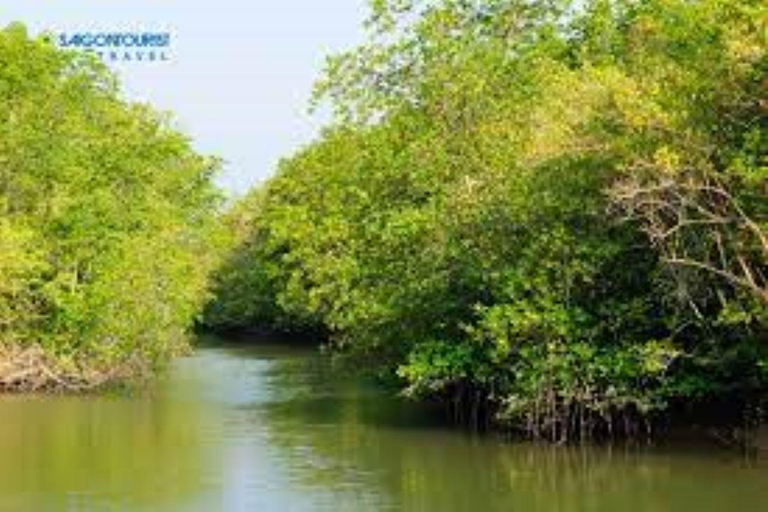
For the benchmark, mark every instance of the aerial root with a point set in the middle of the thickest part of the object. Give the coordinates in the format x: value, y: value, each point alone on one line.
x: 31, y: 369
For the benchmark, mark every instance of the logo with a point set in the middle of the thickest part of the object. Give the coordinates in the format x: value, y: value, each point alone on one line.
x: 121, y: 46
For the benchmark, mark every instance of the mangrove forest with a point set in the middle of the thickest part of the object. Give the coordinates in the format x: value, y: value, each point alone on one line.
x: 550, y: 216
x: 108, y: 224
x: 519, y: 262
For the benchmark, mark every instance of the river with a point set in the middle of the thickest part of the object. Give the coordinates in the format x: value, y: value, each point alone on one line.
x: 262, y: 426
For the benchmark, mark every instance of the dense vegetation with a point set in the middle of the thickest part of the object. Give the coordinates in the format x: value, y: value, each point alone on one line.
x: 107, y: 223
x: 555, y: 213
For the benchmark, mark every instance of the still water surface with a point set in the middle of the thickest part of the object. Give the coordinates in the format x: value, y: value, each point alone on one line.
x: 266, y: 427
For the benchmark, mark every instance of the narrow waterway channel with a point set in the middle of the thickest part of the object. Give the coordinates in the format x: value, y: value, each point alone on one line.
x: 265, y: 427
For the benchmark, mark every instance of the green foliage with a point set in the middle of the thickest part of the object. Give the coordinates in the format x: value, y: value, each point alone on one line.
x: 560, y: 209
x: 107, y: 215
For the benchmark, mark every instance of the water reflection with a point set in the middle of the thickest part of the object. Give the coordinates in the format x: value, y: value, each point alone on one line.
x: 268, y: 427
x: 70, y: 453
x: 365, y: 439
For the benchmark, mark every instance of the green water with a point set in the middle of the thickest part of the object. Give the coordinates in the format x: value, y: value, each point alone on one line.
x: 267, y: 428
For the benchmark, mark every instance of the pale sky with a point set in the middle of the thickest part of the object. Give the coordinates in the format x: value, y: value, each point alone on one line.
x: 240, y: 72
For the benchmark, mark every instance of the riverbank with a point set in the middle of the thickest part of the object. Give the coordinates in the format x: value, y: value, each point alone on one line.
x: 33, y: 370
x: 715, y: 424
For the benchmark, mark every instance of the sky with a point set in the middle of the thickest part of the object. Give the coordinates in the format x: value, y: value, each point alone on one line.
x: 239, y: 73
